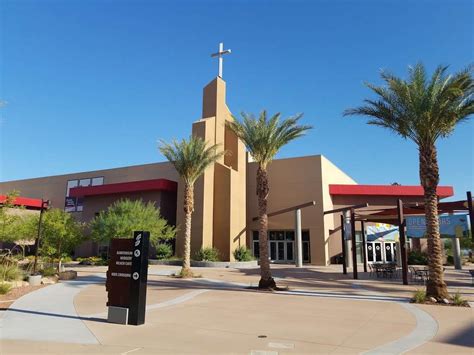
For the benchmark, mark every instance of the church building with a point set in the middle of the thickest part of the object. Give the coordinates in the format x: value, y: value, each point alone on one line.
x: 225, y: 196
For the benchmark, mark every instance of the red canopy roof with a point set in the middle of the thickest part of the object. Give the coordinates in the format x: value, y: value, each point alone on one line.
x: 386, y: 190
x: 124, y: 187
x: 23, y: 201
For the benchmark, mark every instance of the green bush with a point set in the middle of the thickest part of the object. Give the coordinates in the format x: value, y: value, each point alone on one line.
x: 243, y: 254
x: 207, y: 254
x: 163, y: 251
x: 48, y: 271
x: 419, y: 296
x: 10, y: 273
x: 417, y: 258
x: 93, y: 260
x: 458, y: 300
x: 5, y: 288
x: 450, y: 260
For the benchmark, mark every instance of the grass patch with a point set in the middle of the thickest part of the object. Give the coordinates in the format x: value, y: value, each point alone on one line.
x: 10, y: 273
x: 419, y: 296
x: 5, y: 288
x: 186, y: 274
x: 48, y: 271
x: 458, y: 300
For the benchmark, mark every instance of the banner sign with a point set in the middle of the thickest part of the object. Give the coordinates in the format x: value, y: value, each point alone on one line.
x: 382, y: 232
x: 70, y: 204
x: 127, y: 275
x: 450, y: 226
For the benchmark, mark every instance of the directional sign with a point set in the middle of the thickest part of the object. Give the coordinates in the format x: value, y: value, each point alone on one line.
x: 127, y: 275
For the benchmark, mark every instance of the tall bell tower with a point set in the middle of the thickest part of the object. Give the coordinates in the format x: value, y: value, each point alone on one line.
x: 219, y: 217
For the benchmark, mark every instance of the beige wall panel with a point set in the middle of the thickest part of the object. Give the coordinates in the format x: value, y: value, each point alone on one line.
x: 222, y: 212
x: 331, y: 174
x: 292, y: 182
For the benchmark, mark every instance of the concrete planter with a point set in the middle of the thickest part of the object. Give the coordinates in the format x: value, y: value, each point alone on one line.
x: 34, y: 280
x: 226, y: 264
x: 68, y: 275
x: 165, y: 262
x: 217, y: 264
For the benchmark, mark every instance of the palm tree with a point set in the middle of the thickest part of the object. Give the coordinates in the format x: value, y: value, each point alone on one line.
x: 424, y: 109
x: 263, y: 138
x: 190, y: 159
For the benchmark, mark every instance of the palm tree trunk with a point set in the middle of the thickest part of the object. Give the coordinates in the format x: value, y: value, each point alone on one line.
x: 266, y: 279
x: 429, y: 176
x: 188, y: 210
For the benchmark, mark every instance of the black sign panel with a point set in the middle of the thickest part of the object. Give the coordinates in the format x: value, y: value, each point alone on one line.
x: 127, y: 275
x: 136, y: 313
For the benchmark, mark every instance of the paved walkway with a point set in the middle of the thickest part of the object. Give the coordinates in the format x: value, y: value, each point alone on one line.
x: 207, y: 309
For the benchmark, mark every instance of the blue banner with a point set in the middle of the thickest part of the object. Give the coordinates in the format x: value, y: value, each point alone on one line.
x: 450, y: 226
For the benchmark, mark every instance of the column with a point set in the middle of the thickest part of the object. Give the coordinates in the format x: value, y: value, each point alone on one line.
x: 299, y: 239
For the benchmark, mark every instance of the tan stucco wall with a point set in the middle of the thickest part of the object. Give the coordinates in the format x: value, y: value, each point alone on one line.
x: 292, y: 182
x: 54, y: 187
x: 331, y: 175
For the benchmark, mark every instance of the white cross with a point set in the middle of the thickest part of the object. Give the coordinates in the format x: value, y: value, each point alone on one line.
x: 219, y: 55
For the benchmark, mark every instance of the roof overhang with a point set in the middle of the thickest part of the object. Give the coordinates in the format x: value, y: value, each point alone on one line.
x: 124, y: 187
x: 386, y: 190
x: 31, y: 203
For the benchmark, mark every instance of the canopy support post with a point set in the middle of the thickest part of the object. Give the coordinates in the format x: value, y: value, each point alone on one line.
x: 403, y: 250
x: 354, y: 245
x: 364, y: 250
x: 343, y: 241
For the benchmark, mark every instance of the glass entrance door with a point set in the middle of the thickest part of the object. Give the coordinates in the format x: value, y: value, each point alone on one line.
x: 281, y: 246
x: 378, y: 252
x: 374, y: 252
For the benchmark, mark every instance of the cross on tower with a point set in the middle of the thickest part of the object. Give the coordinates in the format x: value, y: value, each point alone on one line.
x: 219, y: 55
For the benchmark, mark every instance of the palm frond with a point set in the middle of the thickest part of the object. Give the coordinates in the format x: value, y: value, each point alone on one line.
x: 420, y: 108
x: 190, y: 157
x: 264, y: 136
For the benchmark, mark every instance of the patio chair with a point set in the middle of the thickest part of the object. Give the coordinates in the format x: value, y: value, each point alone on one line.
x: 416, y: 274
x: 389, y: 270
x: 371, y: 270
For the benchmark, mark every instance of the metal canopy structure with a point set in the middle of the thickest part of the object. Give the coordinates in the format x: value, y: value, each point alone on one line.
x: 345, y: 210
x: 396, y: 216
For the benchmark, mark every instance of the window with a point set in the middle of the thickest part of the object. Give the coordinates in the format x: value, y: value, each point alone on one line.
x: 76, y: 204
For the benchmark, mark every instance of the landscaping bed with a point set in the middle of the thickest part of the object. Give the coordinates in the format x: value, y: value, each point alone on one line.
x: 219, y: 264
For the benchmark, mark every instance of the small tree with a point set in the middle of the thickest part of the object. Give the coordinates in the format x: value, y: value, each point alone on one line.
x: 60, y: 233
x: 10, y: 219
x: 124, y: 217
x: 423, y: 108
x: 263, y: 137
x: 190, y: 159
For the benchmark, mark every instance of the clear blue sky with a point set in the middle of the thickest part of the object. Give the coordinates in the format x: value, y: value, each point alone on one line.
x: 93, y: 84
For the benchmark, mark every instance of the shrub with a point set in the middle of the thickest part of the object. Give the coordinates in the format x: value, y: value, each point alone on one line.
x: 242, y: 254
x: 458, y: 300
x: 48, y: 271
x: 93, y: 260
x: 5, y: 288
x: 417, y: 258
x: 419, y: 296
x: 207, y: 254
x: 10, y: 273
x: 163, y: 251
x: 450, y: 260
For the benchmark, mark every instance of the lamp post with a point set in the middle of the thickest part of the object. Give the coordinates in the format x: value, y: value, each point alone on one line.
x: 44, y: 206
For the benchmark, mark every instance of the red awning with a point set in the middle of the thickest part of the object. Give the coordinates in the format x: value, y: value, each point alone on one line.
x: 385, y: 190
x: 23, y: 201
x: 124, y: 187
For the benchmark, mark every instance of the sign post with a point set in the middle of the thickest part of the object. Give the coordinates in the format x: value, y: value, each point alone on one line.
x: 127, y: 278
